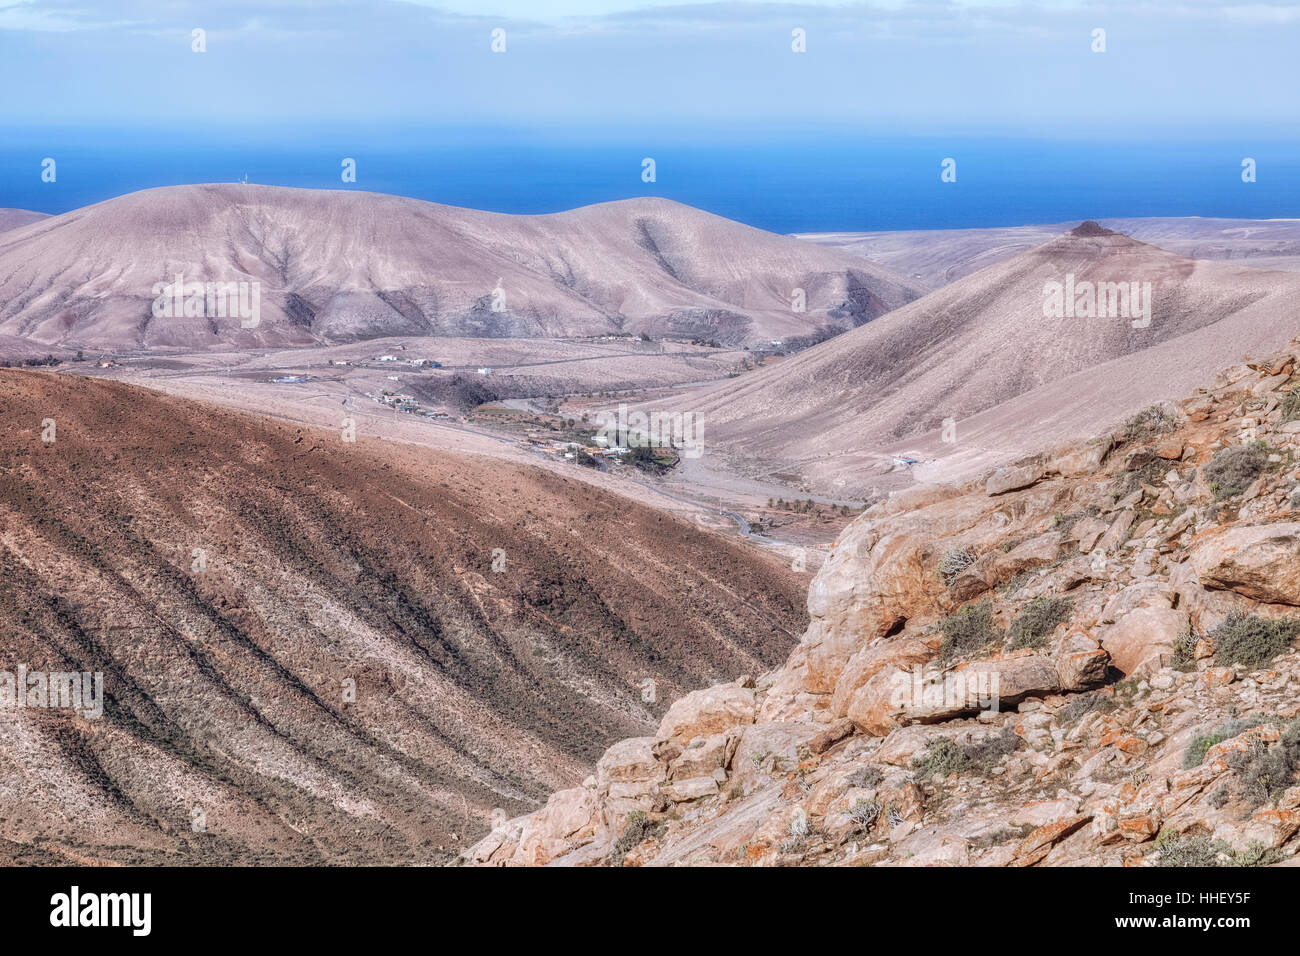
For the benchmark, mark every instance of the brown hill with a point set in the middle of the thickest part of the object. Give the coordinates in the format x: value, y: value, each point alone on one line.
x: 327, y: 563
x: 335, y: 266
x: 981, y: 353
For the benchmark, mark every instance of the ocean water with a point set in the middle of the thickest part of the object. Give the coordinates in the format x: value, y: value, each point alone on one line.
x: 812, y: 181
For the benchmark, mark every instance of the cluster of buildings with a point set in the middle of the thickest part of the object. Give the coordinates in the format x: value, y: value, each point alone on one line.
x: 599, y: 448
x: 418, y: 363
x: 405, y: 403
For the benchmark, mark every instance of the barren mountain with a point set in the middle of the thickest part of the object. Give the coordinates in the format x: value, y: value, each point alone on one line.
x: 935, y: 257
x: 982, y: 354
x: 13, y: 218
x: 323, y: 651
x: 335, y: 266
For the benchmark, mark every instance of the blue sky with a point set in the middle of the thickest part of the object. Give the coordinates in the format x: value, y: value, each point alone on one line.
x: 592, y: 67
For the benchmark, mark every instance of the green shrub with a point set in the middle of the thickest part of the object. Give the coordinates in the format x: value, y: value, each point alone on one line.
x: 1251, y: 640
x: 946, y: 756
x: 1256, y: 854
x: 969, y: 630
x: 1291, y: 405
x: 866, y: 777
x: 1234, y: 468
x: 1037, y: 621
x: 639, y: 828
x: 943, y: 757
x: 986, y: 754
x: 1266, y: 772
x: 1175, y: 850
x: 1195, y: 753
x: 1185, y: 650
x: 1083, y: 704
x: 1156, y: 420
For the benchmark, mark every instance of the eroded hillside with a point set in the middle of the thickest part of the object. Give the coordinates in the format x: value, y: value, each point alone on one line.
x: 327, y: 651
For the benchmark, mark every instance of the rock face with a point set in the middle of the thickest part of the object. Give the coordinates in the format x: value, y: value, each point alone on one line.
x: 1261, y: 562
x: 1019, y: 672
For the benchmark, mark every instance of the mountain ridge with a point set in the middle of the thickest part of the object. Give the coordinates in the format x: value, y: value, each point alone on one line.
x: 339, y: 265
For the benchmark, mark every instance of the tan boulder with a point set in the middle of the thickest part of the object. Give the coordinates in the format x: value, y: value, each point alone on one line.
x: 1261, y: 562
x: 1014, y: 477
x: 1047, y: 835
x: 893, y: 698
x: 1143, y: 633
x: 713, y: 710
x: 1171, y: 449
x: 1156, y: 594
x: 902, y: 651
x: 1080, y: 461
x: 570, y: 818
x: 760, y: 743
x: 1042, y: 812
x: 702, y: 756
x: 1118, y: 531
x: 629, y: 760
x: 997, y: 567
x: 855, y: 599
x: 1087, y: 531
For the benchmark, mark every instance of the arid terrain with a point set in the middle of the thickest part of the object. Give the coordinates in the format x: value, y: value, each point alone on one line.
x: 1085, y: 658
x: 235, y: 577
x: 338, y: 651
x: 981, y: 355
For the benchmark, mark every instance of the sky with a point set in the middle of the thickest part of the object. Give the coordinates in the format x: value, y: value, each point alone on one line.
x: 694, y: 69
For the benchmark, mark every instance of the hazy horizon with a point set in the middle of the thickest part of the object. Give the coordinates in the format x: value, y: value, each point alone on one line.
x: 852, y: 185
x: 793, y: 116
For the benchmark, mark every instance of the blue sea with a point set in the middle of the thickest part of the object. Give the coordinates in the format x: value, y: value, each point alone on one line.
x: 803, y: 181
